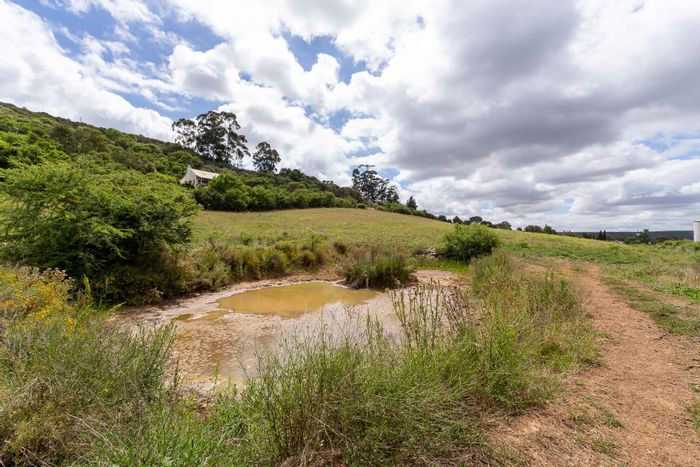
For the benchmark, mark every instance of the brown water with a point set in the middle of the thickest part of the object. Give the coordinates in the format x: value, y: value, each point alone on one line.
x: 223, y: 341
x: 292, y: 301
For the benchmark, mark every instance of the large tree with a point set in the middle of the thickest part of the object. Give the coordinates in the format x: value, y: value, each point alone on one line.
x: 213, y: 136
x: 371, y: 186
x: 265, y: 158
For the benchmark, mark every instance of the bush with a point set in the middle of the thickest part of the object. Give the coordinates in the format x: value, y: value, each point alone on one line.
x: 274, y: 262
x: 379, y: 272
x: 26, y: 292
x: 153, y: 276
x: 85, y: 221
x: 465, y: 243
x: 218, y: 264
x: 340, y: 247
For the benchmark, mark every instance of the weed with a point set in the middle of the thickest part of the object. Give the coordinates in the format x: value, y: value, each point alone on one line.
x: 340, y: 247
x: 60, y: 383
x: 378, y: 272
x: 694, y: 407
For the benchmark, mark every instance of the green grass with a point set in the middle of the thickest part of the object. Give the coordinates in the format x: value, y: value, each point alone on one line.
x: 605, y: 415
x: 671, y: 268
x: 83, y: 392
x: 355, y: 226
x: 672, y: 318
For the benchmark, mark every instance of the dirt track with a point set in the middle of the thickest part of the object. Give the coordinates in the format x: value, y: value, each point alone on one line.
x: 643, y: 381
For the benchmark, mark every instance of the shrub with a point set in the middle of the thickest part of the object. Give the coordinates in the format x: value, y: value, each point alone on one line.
x: 274, y: 262
x: 465, y: 243
x: 379, y: 272
x: 152, y: 277
x: 26, y: 292
x: 66, y: 374
x: 212, y: 273
x: 340, y: 247
x: 85, y: 221
x: 310, y: 259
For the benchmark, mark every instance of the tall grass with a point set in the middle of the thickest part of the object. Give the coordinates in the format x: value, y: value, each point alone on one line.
x: 362, y: 395
x: 375, y: 269
x: 61, y: 382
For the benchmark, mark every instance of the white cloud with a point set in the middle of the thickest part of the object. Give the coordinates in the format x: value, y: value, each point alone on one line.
x: 36, y: 73
x: 124, y: 11
x: 536, y: 112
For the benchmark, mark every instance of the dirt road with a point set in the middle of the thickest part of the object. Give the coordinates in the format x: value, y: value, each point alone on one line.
x: 631, y: 409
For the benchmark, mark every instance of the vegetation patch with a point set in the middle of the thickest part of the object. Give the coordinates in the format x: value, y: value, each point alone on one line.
x: 66, y: 375
x: 378, y: 270
x: 104, y: 397
x: 694, y: 408
x: 467, y: 243
x: 673, y: 319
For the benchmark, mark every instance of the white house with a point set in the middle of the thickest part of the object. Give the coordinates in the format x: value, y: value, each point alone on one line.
x: 196, y: 177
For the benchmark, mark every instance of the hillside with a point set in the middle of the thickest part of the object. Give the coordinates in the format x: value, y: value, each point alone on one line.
x: 508, y: 347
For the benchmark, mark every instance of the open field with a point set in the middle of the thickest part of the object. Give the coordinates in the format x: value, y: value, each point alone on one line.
x: 543, y: 358
x: 669, y: 270
x: 361, y: 226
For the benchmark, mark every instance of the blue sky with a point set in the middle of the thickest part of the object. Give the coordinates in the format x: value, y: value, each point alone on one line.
x: 584, y: 114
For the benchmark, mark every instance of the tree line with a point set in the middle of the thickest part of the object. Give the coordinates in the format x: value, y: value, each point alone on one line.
x: 216, y: 137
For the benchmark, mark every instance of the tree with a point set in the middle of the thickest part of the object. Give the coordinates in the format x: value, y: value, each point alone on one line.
x: 370, y: 185
x: 265, y: 158
x: 213, y: 136
x: 456, y: 220
x: 548, y: 230
x: 411, y: 203
x: 475, y: 220
x: 505, y: 225
x: 185, y: 132
x: 533, y: 229
x: 644, y: 236
x: 391, y: 195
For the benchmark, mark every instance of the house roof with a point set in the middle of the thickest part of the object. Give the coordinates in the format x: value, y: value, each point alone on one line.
x: 204, y: 174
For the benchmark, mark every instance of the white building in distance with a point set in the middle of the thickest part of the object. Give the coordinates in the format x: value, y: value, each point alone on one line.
x: 196, y: 177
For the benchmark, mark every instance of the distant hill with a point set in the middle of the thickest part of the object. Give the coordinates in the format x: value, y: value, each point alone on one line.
x: 33, y: 138
x: 656, y: 234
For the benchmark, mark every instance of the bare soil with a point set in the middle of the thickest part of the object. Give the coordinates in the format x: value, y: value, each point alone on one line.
x: 630, y: 409
x: 214, y: 347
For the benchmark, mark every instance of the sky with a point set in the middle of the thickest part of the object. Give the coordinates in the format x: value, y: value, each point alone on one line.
x: 584, y: 114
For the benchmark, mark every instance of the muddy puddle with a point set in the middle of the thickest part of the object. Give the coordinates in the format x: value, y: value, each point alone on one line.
x: 292, y: 301
x: 219, y: 334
